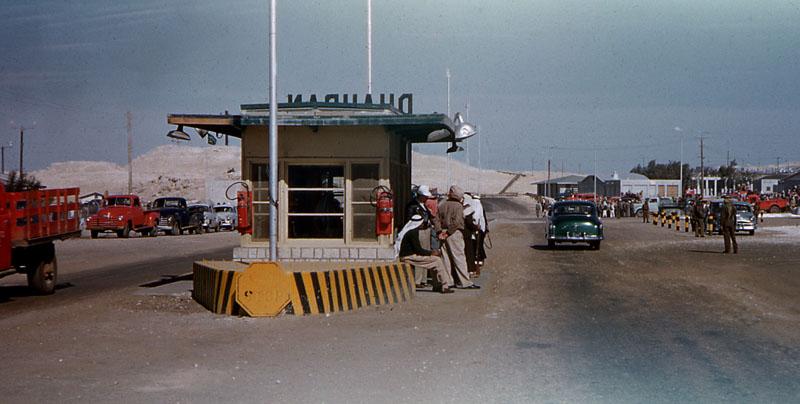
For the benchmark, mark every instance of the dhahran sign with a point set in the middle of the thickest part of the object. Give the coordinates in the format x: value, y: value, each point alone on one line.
x: 405, y: 102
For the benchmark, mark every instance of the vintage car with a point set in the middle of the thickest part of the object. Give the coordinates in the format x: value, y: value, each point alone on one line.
x: 226, y: 214
x: 122, y: 214
x: 745, y: 222
x: 175, y: 217
x: 574, y: 221
x: 210, y: 219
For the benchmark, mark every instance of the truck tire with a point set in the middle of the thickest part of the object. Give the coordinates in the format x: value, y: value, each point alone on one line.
x: 774, y: 209
x: 94, y: 233
x: 42, y: 270
x: 125, y: 232
x: 176, y: 227
x: 153, y: 232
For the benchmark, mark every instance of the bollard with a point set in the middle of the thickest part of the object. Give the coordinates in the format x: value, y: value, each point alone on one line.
x: 677, y: 222
x: 686, y: 223
x: 663, y: 219
x: 710, y: 228
x: 655, y: 219
x: 669, y: 221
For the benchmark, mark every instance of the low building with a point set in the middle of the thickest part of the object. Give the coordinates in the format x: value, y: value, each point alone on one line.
x: 332, y: 158
x: 608, y: 187
x: 556, y: 187
x: 641, y: 185
x: 767, y: 184
x: 788, y: 183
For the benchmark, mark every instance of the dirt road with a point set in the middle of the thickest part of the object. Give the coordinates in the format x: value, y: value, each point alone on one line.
x: 654, y: 316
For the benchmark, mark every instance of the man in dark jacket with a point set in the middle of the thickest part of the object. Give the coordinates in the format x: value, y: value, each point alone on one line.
x: 699, y: 217
x: 727, y: 220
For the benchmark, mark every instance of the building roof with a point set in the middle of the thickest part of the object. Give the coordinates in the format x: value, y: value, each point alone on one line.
x: 415, y: 127
x: 569, y: 179
x: 635, y: 176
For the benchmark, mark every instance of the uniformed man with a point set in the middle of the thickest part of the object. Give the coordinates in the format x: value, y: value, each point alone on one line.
x: 756, y: 211
x: 645, y: 211
x: 727, y: 220
x: 699, y: 216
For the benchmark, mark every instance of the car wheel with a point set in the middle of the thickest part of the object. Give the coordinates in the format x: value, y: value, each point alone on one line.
x: 216, y: 229
x: 595, y: 245
x: 639, y: 213
x: 176, y: 227
x: 125, y: 232
x: 752, y: 232
x: 774, y: 209
x: 42, y: 271
x: 95, y: 233
x: 551, y: 244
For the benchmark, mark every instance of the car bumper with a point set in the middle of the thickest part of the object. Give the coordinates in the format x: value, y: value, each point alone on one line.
x: 576, y: 237
x: 745, y: 227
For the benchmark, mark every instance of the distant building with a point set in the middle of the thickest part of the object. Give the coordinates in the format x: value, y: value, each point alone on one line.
x: 787, y: 183
x: 608, y: 187
x: 556, y: 187
x: 641, y: 185
x: 94, y: 196
x: 767, y: 183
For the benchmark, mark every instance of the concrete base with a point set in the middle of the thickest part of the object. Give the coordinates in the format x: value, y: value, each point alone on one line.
x: 333, y: 254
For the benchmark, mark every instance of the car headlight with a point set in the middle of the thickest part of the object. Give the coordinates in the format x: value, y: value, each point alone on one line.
x: 120, y: 218
x: 600, y: 226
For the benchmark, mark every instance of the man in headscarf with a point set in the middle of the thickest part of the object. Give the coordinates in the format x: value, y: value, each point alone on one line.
x: 451, y: 217
x: 409, y: 249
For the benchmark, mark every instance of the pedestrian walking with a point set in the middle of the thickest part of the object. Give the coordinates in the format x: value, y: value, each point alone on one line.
x: 727, y: 220
x: 451, y: 217
x: 537, y: 207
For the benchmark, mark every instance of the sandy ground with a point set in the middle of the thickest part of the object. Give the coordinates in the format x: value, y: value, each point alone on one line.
x: 654, y: 316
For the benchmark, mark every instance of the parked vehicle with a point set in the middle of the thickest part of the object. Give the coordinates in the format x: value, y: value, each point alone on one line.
x: 771, y: 205
x: 210, y: 220
x: 574, y: 221
x: 653, y: 204
x: 175, y: 217
x: 122, y: 214
x: 745, y: 221
x: 30, y: 221
x: 226, y: 214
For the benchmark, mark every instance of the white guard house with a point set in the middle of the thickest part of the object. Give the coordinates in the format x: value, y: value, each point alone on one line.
x: 332, y: 156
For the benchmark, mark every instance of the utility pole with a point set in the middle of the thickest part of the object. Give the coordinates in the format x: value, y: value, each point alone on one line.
x: 273, y: 132
x: 778, y: 165
x: 129, y: 118
x: 547, y: 191
x: 3, y: 157
x: 21, y: 148
x: 702, y: 169
x: 447, y: 73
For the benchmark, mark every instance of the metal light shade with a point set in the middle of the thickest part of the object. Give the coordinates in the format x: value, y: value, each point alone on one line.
x: 202, y: 133
x: 465, y: 131
x: 179, y: 134
x: 455, y: 148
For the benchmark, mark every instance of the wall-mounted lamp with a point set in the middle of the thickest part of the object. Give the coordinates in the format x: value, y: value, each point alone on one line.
x: 455, y: 148
x: 179, y: 134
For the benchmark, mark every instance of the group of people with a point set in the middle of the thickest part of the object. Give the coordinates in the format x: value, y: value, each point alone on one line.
x: 446, y: 238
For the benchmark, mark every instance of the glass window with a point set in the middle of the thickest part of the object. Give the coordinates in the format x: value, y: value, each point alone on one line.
x: 259, y: 177
x: 365, y: 177
x: 316, y: 201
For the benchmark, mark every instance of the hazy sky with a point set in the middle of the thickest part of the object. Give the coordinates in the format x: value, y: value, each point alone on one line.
x: 559, y: 77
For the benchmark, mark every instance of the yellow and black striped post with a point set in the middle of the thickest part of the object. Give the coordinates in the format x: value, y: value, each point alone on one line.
x: 677, y: 222
x: 655, y: 219
x: 214, y: 287
x: 686, y: 223
x: 669, y: 220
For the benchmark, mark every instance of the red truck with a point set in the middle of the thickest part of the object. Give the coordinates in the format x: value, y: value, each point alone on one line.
x: 121, y: 214
x: 30, y: 221
x: 771, y: 205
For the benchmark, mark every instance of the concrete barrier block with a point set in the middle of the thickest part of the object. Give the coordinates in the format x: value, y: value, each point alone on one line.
x: 296, y: 252
x: 306, y: 253
x: 344, y: 253
x: 318, y: 253
x: 330, y: 253
x: 367, y: 253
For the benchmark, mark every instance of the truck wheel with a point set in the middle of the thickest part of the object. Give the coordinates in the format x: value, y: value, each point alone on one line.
x: 42, y: 271
x: 639, y: 213
x: 95, y: 233
x: 176, y: 227
x: 216, y: 229
x: 551, y: 244
x: 774, y: 209
x: 125, y: 232
x: 153, y: 232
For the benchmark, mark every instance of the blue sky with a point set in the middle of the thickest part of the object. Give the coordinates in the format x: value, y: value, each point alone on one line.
x: 542, y: 78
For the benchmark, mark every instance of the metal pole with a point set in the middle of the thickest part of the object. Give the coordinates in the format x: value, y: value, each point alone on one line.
x: 369, y: 46
x: 2, y: 159
x: 273, y: 134
x: 448, y: 115
x: 129, y: 117
x: 21, y: 148
x: 595, y: 176
x: 680, y: 187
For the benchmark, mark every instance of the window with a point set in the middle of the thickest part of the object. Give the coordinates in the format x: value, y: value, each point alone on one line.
x: 316, y: 201
x: 364, y: 178
x: 259, y: 177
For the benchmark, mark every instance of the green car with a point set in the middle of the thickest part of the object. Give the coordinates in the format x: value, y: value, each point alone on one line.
x: 574, y: 222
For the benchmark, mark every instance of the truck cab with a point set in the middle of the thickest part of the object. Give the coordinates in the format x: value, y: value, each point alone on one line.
x: 122, y: 214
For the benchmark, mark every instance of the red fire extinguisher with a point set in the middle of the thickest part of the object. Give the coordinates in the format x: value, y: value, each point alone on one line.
x: 381, y: 199
x: 244, y: 204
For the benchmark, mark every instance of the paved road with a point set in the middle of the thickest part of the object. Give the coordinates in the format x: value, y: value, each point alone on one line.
x: 654, y: 316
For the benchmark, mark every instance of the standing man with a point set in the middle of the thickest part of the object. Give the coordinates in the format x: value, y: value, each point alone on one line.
x: 756, y: 211
x: 537, y: 206
x: 727, y: 219
x: 699, y: 217
x: 451, y: 217
x: 645, y: 211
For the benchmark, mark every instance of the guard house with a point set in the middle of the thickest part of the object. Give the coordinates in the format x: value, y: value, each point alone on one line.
x: 332, y: 156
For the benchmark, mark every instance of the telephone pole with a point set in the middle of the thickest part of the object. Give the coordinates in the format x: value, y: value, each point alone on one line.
x: 3, y: 157
x: 129, y: 117
x: 702, y: 169
x: 21, y: 148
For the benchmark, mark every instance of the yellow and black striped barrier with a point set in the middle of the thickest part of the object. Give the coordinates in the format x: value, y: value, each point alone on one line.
x: 710, y: 225
x: 677, y: 222
x: 655, y: 219
x: 669, y: 220
x: 686, y: 224
x: 269, y: 289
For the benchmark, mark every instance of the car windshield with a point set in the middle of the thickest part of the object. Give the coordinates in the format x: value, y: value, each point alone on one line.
x: 223, y: 209
x: 574, y: 209
x: 199, y: 208
x: 742, y: 208
x: 118, y: 202
x: 167, y: 203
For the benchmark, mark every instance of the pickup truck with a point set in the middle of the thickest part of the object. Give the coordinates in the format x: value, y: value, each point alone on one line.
x: 175, y: 217
x: 30, y: 221
x: 771, y: 205
x: 654, y: 204
x: 122, y: 214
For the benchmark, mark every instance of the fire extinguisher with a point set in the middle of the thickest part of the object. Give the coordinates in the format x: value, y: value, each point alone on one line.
x: 381, y: 199
x: 244, y: 207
